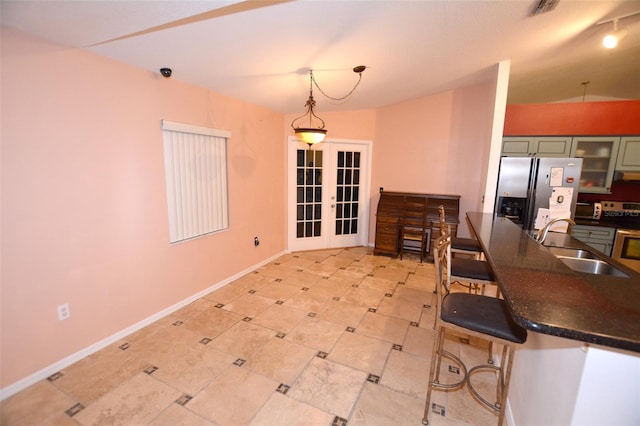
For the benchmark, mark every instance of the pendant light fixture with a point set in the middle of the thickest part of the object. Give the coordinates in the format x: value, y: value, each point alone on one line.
x: 313, y: 131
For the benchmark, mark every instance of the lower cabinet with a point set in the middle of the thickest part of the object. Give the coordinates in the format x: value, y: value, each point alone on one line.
x: 599, y: 237
x: 389, y: 216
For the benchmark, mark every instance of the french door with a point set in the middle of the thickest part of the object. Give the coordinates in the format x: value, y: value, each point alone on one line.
x: 328, y: 194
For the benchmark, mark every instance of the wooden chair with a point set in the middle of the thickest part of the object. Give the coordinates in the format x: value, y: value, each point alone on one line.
x: 414, y: 226
x: 475, y: 315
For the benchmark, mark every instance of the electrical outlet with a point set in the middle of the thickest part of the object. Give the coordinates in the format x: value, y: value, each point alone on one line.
x: 256, y: 242
x: 64, y: 312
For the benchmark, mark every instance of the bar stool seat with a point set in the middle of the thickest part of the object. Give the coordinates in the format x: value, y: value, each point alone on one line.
x: 483, y: 314
x: 476, y: 315
x: 471, y: 270
x: 470, y: 245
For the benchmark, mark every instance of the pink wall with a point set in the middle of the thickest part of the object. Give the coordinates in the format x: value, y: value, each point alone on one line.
x: 411, y: 152
x: 84, y: 217
x: 437, y: 144
x: 471, y: 125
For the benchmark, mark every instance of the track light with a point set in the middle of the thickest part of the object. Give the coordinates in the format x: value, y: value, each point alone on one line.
x: 612, y: 39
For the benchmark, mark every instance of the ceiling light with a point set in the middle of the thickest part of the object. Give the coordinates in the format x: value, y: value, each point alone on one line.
x: 313, y: 131
x: 612, y: 39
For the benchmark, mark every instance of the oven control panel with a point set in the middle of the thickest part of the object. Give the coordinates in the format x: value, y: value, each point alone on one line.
x: 630, y: 207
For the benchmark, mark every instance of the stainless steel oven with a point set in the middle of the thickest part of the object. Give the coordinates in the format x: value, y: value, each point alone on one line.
x: 626, y: 248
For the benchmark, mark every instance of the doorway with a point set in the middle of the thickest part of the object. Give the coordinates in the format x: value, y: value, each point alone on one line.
x: 328, y: 194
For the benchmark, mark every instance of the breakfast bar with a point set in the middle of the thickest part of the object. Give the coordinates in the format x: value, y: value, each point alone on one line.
x: 548, y: 297
x: 581, y: 362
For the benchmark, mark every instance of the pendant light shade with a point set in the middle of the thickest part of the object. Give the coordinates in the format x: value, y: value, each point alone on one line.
x: 310, y: 136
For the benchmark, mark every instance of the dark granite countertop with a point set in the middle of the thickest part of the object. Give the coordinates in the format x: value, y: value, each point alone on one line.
x: 546, y: 296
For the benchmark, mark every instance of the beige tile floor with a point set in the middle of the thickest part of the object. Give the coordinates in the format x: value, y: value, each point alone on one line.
x: 329, y: 337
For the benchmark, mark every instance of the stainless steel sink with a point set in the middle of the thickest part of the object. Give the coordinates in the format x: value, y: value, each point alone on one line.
x: 591, y: 266
x: 581, y: 260
x: 572, y: 252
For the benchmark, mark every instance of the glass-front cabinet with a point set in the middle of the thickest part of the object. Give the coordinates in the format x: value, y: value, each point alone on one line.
x: 599, y: 161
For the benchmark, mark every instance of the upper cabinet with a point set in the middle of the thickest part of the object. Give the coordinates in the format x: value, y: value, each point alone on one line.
x: 547, y: 146
x: 599, y: 161
x: 629, y: 154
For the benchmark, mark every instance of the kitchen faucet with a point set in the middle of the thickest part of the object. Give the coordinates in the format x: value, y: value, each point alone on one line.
x: 542, y: 233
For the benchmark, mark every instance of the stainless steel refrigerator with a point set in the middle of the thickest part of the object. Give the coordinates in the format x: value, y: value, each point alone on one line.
x: 526, y: 185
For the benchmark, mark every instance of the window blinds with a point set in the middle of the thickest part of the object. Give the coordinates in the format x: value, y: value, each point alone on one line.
x: 196, y: 177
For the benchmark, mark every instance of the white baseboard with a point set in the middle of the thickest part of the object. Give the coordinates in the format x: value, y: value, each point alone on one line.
x: 42, y: 374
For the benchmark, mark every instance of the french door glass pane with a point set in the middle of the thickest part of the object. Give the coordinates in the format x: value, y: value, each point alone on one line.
x: 347, y: 192
x: 309, y: 193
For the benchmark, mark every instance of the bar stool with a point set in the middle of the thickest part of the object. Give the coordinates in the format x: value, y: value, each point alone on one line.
x: 476, y: 315
x: 468, y: 246
x: 477, y: 273
x: 474, y: 271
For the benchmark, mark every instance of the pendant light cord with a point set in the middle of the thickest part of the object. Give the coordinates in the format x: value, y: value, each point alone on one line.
x: 343, y: 98
x: 584, y: 92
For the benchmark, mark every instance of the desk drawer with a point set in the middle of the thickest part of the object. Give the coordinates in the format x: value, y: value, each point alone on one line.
x: 387, y: 241
x: 388, y: 227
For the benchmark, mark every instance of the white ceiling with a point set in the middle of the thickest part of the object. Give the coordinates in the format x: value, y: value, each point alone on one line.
x: 261, y: 51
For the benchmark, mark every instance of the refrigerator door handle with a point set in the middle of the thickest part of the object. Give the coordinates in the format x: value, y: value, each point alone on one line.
x: 533, y: 176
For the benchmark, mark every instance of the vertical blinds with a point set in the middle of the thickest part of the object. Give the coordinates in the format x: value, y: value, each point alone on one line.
x: 196, y: 177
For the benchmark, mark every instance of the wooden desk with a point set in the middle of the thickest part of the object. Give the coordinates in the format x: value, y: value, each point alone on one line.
x: 389, y: 216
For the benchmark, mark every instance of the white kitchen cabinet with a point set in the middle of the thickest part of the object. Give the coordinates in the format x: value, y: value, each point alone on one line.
x: 536, y: 146
x: 599, y: 237
x: 599, y: 155
x: 629, y: 154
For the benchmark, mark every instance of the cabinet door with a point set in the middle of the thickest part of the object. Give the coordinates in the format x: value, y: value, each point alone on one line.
x: 546, y: 146
x: 557, y: 146
x: 599, y: 160
x: 518, y: 146
x: 599, y: 237
x: 629, y: 154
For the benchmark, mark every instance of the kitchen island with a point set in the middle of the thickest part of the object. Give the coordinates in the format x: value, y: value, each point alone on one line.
x: 581, y: 361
